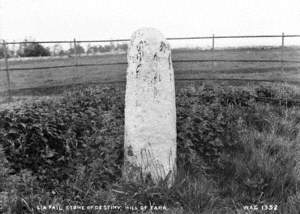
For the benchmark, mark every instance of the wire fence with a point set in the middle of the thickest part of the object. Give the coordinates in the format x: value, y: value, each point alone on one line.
x: 212, y: 59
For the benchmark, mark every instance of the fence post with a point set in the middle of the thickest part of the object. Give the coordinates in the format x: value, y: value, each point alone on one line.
x: 213, y: 53
x: 7, y: 71
x: 282, y: 50
x: 75, y: 53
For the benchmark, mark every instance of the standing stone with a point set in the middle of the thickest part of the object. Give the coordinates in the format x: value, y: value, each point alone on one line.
x: 150, y: 112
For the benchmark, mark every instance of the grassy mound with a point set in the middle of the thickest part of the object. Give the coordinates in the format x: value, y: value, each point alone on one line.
x: 232, y: 152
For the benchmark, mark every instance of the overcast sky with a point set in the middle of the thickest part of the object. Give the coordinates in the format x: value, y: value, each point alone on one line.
x: 109, y: 19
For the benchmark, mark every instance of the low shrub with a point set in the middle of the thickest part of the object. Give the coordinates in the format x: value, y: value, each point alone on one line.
x: 49, y: 138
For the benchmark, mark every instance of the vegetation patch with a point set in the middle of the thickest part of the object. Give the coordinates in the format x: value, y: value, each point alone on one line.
x: 232, y: 152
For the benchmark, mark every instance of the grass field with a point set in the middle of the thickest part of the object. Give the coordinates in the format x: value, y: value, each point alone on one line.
x: 93, y: 74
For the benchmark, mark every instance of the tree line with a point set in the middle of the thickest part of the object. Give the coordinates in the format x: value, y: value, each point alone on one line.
x: 35, y: 49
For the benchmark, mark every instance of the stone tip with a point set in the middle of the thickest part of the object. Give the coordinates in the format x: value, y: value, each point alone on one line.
x: 147, y: 33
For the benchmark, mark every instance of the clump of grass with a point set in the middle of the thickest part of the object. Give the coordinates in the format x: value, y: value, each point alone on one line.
x: 16, y: 191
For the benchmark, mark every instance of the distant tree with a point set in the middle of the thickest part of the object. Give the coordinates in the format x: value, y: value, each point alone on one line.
x: 14, y: 50
x: 62, y: 53
x: 122, y: 47
x: 92, y: 49
x: 9, y: 52
x: 79, y: 50
x: 32, y: 49
x: 57, y: 50
x: 88, y: 48
x: 112, y: 47
x: 22, y: 46
x: 1, y: 52
x: 105, y: 48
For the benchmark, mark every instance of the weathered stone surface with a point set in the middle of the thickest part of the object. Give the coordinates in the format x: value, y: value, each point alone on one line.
x: 150, y: 114
x: 297, y: 158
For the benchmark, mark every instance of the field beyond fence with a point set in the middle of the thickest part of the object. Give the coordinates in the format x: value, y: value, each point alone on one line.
x: 263, y: 64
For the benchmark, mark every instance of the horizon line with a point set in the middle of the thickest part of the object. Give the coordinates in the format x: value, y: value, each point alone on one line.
x: 168, y: 38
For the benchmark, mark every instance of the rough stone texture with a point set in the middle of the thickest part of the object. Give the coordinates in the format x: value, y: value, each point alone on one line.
x: 297, y: 158
x: 150, y: 112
